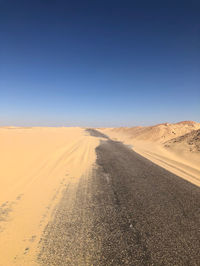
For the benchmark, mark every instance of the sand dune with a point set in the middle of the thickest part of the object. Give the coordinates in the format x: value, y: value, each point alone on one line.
x: 159, y: 133
x: 165, y: 144
x: 36, y: 165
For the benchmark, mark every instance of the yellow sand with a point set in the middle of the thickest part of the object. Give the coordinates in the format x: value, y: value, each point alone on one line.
x: 148, y: 141
x: 36, y: 165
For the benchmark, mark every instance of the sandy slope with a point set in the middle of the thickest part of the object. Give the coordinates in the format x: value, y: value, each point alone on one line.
x: 150, y: 142
x: 36, y: 165
x: 189, y: 141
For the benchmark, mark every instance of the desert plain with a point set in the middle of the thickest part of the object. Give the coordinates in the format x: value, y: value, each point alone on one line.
x: 68, y: 199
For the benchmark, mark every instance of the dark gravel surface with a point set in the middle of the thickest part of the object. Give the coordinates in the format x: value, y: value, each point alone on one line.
x: 129, y: 211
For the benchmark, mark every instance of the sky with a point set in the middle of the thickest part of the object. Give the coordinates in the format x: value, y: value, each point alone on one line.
x: 100, y: 63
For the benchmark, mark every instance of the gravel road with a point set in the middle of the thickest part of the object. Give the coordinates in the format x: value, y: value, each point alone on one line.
x: 126, y: 211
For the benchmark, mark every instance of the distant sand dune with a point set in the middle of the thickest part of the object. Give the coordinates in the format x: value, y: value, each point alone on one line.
x: 159, y: 133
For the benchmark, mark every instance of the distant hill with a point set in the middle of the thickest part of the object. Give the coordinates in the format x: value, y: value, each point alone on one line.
x: 159, y: 133
x: 186, y: 123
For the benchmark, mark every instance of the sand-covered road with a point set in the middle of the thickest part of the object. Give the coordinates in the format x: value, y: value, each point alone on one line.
x: 125, y: 211
x: 70, y: 196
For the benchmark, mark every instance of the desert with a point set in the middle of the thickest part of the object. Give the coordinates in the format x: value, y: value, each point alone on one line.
x: 99, y: 133
x: 39, y: 163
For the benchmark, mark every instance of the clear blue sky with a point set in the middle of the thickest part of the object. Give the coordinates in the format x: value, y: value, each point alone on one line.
x: 99, y: 63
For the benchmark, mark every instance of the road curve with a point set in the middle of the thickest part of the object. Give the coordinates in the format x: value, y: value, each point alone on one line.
x: 127, y: 211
